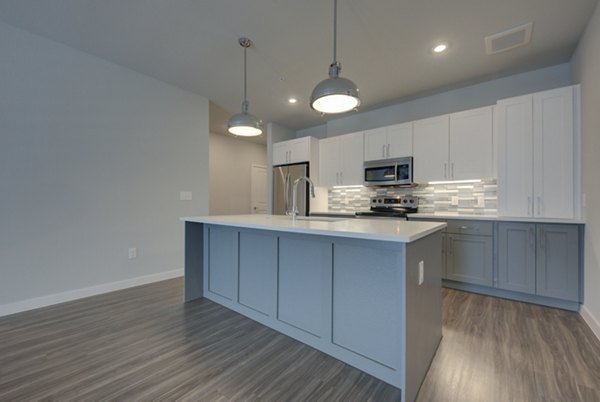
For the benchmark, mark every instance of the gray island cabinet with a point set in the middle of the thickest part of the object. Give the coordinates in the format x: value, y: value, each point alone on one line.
x: 366, y: 292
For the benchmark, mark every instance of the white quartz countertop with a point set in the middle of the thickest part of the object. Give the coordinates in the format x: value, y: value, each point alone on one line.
x: 369, y: 229
x: 488, y: 217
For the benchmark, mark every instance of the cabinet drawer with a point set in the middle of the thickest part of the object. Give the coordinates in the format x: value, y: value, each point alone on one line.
x: 470, y: 227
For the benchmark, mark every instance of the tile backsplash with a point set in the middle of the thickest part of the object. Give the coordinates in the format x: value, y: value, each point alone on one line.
x: 468, y: 198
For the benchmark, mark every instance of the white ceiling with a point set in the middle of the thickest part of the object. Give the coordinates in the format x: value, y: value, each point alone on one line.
x: 383, y: 45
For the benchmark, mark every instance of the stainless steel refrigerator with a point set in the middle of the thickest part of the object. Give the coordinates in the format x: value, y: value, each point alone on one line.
x: 283, y: 179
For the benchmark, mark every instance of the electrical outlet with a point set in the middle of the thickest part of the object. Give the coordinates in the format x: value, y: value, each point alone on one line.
x: 132, y: 253
x: 185, y: 196
x: 421, y: 272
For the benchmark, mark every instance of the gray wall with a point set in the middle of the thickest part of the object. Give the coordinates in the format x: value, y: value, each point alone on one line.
x: 469, y: 97
x: 92, y: 159
x: 230, y: 170
x: 586, y: 70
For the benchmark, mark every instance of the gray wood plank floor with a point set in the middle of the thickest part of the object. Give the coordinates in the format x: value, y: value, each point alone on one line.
x: 144, y: 343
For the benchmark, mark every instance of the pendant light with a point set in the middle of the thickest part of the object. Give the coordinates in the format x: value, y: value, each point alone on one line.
x: 245, y: 124
x: 334, y: 94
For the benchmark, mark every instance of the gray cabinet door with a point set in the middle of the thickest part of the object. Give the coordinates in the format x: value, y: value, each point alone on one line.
x: 469, y: 259
x: 305, y: 283
x: 366, y: 308
x: 222, y: 261
x: 444, y: 255
x: 258, y: 271
x: 516, y: 257
x: 558, y: 261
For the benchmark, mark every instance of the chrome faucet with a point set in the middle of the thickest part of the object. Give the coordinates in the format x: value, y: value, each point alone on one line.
x: 295, y: 190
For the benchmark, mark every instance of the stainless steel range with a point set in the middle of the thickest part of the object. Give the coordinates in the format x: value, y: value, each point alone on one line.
x: 394, y: 206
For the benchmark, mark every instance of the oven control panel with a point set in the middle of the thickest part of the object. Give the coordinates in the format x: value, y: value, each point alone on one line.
x: 408, y: 202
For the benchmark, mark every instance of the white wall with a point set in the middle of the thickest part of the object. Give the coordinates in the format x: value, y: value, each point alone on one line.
x: 92, y: 159
x: 586, y: 70
x: 230, y: 170
x: 469, y: 97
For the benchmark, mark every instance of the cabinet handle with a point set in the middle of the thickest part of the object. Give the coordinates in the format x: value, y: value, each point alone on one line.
x: 463, y: 227
x: 445, y: 170
x: 452, y: 170
x: 342, y: 178
x: 387, y: 148
x: 529, y: 211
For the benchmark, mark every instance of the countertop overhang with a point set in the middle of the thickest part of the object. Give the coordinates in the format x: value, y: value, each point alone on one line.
x: 368, y: 229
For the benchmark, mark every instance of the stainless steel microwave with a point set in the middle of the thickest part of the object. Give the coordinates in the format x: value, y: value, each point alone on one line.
x: 389, y: 172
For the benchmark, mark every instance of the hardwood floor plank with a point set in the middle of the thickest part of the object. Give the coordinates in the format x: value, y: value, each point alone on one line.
x: 145, y: 344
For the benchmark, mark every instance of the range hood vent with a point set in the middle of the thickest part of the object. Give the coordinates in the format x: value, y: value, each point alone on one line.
x: 509, y: 39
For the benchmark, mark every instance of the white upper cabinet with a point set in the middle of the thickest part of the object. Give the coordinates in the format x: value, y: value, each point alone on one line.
x: 458, y: 146
x: 341, y: 160
x: 471, y: 153
x: 292, y: 151
x: 536, y: 155
x: 389, y: 142
x: 514, y: 129
x: 430, y: 149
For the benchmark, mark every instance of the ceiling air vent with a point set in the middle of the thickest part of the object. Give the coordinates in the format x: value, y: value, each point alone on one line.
x: 508, y: 39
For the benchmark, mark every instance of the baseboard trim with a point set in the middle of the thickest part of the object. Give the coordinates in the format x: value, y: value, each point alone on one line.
x: 44, y: 301
x: 590, y: 320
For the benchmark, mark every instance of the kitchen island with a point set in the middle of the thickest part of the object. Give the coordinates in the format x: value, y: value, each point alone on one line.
x: 365, y: 291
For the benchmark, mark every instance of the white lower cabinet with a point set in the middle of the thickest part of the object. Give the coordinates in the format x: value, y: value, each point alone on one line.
x: 341, y: 160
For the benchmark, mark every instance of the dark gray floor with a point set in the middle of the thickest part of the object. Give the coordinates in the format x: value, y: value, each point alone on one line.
x: 144, y: 343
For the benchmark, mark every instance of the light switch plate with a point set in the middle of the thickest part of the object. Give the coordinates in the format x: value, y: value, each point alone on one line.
x: 421, y: 272
x: 132, y: 253
x: 185, y: 196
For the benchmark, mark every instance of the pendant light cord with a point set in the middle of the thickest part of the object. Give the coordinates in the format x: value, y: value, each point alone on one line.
x: 334, y: 31
x: 245, y: 89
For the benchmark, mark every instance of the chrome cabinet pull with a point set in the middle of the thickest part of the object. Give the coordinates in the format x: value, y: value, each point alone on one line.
x: 342, y: 178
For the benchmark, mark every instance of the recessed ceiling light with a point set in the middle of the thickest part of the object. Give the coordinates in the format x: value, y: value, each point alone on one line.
x: 440, y: 48
x: 292, y: 100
